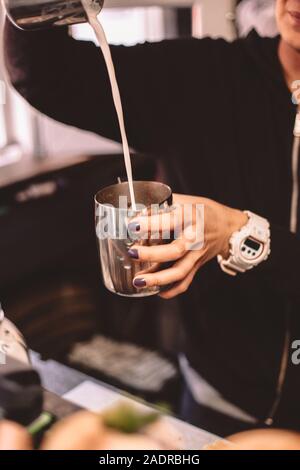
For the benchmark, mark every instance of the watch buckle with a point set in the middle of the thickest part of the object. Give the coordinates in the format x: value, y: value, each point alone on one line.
x: 225, y: 268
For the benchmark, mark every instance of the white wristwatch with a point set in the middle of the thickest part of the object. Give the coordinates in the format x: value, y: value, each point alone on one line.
x: 248, y: 247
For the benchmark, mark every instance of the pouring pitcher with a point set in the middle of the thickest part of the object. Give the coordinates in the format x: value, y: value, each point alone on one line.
x: 38, y: 14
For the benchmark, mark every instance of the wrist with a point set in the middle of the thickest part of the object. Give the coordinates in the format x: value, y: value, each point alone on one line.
x: 235, y: 220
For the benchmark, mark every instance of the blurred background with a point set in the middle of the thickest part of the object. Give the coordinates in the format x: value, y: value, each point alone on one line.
x: 50, y: 281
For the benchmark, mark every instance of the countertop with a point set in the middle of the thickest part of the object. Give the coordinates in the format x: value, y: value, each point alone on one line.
x: 92, y: 394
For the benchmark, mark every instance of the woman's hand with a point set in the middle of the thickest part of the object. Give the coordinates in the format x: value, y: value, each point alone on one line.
x: 202, y: 231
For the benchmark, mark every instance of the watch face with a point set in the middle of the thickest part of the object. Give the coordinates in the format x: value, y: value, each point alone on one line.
x: 251, y: 249
x: 252, y: 244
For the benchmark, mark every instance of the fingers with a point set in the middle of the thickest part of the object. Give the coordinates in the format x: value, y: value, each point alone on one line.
x: 157, y: 223
x: 159, y: 253
x: 183, y: 286
x: 177, y: 218
x: 14, y: 437
x: 186, y: 250
x: 176, y: 273
x: 189, y: 241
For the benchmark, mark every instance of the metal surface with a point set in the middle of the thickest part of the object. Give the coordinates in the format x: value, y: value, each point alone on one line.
x: 118, y: 268
x: 37, y: 14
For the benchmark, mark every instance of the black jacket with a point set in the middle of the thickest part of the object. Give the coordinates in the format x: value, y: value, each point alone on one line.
x: 220, y: 116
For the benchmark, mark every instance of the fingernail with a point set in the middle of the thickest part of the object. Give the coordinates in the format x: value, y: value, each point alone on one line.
x: 134, y: 227
x: 133, y: 253
x: 139, y: 282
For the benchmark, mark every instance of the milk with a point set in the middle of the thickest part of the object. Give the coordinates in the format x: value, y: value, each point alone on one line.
x: 100, y: 34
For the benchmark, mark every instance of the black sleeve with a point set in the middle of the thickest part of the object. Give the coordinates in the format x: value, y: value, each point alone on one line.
x: 160, y: 83
x: 282, y: 270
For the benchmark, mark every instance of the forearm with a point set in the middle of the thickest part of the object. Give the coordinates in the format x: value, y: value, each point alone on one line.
x: 53, y: 73
x: 67, y: 80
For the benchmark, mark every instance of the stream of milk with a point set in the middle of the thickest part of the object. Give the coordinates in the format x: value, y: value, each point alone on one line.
x: 101, y: 37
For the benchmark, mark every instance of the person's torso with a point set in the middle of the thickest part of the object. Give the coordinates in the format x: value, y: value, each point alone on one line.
x: 237, y: 149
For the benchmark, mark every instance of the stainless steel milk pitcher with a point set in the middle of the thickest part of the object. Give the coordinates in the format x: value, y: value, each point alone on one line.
x: 37, y: 14
x: 114, y: 240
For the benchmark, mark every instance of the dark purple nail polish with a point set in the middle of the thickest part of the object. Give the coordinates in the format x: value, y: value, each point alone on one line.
x: 134, y: 227
x: 133, y: 253
x: 139, y: 283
